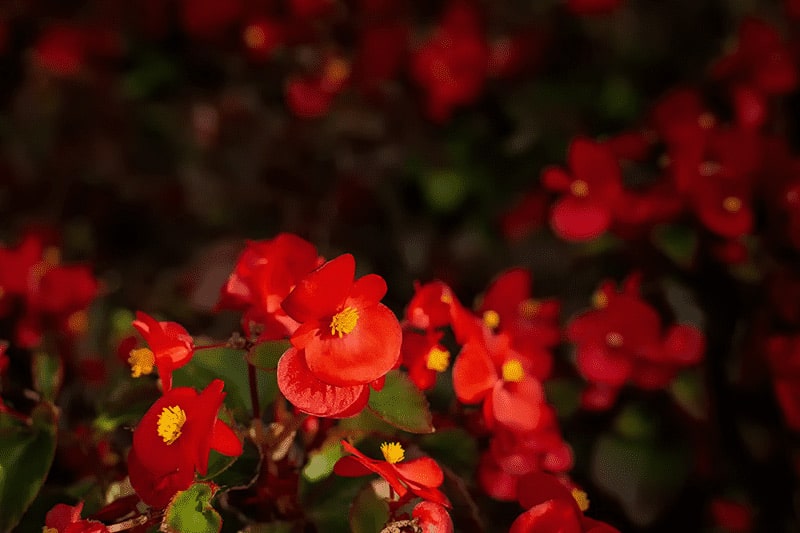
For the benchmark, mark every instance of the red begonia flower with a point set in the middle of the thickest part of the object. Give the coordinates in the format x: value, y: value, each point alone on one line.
x: 495, y: 481
x: 421, y: 476
x: 424, y: 357
x: 311, y: 96
x: 261, y: 36
x: 180, y: 429
x: 156, y: 490
x: 553, y: 507
x: 347, y: 336
x: 590, y: 192
x: 489, y: 370
x: 171, y: 347
x: 311, y: 395
x: 432, y: 518
x: 452, y: 66
x: 429, y: 308
x: 64, y: 518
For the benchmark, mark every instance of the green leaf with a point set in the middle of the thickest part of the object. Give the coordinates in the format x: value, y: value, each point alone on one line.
x: 320, y: 462
x: 444, y: 189
x: 26, y: 453
x: 265, y: 356
x: 402, y: 404
x: 369, y: 512
x: 676, y: 241
x: 326, y: 503
x: 48, y: 373
x: 644, y: 476
x: 689, y: 391
x: 455, y: 448
x: 235, y: 472
x: 230, y: 366
x: 190, y: 511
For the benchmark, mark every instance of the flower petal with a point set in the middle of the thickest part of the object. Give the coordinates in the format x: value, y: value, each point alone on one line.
x: 321, y: 292
x: 575, y: 219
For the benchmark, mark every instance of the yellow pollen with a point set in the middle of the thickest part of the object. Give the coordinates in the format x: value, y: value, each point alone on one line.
x: 141, y: 361
x: 438, y: 359
x: 46, y: 529
x: 337, y: 71
x: 254, y: 36
x: 706, y: 121
x: 581, y: 498
x: 709, y: 168
x: 446, y: 298
x: 529, y: 308
x: 579, y: 188
x: 51, y: 256
x: 599, y: 300
x: 614, y: 339
x: 513, y: 371
x: 491, y: 319
x: 344, y: 321
x: 170, y: 422
x: 732, y: 204
x: 393, y: 452
x: 78, y: 322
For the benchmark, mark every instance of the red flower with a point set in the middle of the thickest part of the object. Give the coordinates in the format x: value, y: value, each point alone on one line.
x: 552, y: 507
x: 64, y: 518
x: 590, y: 193
x: 61, y: 50
x: 264, y: 275
x: 421, y: 477
x: 432, y: 518
x: 424, y: 357
x: 171, y: 347
x: 261, y: 36
x: 453, y: 65
x: 174, y: 439
x: 488, y: 370
x: 429, y: 308
x: 346, y: 335
x: 311, y: 96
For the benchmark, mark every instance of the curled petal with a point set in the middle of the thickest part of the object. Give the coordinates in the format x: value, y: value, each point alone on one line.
x: 321, y: 292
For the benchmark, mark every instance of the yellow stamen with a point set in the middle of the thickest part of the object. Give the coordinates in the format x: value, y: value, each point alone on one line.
x: 599, y: 300
x: 709, y: 168
x: 513, y: 371
x: 141, y: 361
x: 46, y: 529
x: 254, y: 36
x: 344, y: 321
x: 78, y: 322
x: 581, y: 498
x: 706, y: 121
x: 614, y: 339
x: 579, y: 188
x: 337, y: 71
x: 170, y: 422
x: 393, y: 452
x: 529, y: 308
x: 491, y: 319
x: 446, y: 298
x: 51, y: 255
x: 732, y: 204
x: 438, y: 359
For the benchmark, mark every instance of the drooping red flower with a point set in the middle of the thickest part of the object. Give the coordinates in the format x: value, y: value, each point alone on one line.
x: 64, y: 518
x: 432, y: 518
x: 174, y: 438
x: 346, y: 335
x: 589, y: 192
x: 420, y: 477
x: 424, y: 357
x: 171, y: 347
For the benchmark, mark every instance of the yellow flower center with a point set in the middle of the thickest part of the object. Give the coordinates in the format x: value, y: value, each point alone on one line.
x: 392, y: 452
x: 732, y: 204
x: 529, y: 308
x: 581, y: 498
x: 513, y: 371
x: 46, y: 529
x: 438, y: 359
x: 344, y: 321
x: 599, y: 300
x: 706, y: 121
x: 614, y: 339
x: 51, y: 256
x: 170, y: 422
x: 254, y: 36
x: 579, y: 188
x: 446, y: 298
x: 491, y: 319
x: 78, y: 322
x: 337, y: 71
x: 141, y: 361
